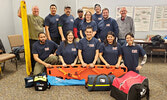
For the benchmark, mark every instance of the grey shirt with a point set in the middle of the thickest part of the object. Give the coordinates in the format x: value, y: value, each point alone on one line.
x: 125, y: 27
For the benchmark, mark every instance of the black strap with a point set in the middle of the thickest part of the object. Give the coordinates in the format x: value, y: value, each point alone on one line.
x: 94, y: 82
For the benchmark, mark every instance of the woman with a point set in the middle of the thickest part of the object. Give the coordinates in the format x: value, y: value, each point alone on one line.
x: 110, y: 51
x: 131, y: 53
x: 87, y: 22
x: 67, y: 50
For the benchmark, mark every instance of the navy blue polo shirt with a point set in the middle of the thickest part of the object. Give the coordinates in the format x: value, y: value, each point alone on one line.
x: 88, y: 49
x: 105, y: 26
x: 67, y: 23
x: 44, y: 50
x: 97, y: 18
x: 131, y: 55
x: 85, y: 24
x: 77, y: 23
x: 52, y: 22
x: 68, y: 52
x: 111, y: 53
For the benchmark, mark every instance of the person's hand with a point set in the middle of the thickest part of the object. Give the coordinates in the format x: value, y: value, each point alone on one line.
x: 64, y: 65
x: 73, y: 64
x: 84, y: 64
x: 91, y: 65
x: 99, y: 40
x: 63, y: 39
x: 122, y: 65
x: 48, y: 65
x: 77, y: 39
x: 107, y: 65
x: 138, y: 67
x: 117, y: 65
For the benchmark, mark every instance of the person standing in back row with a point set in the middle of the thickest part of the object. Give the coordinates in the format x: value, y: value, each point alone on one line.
x: 77, y: 23
x: 66, y: 22
x: 51, y: 25
x: 106, y: 25
x: 125, y: 24
x: 35, y: 26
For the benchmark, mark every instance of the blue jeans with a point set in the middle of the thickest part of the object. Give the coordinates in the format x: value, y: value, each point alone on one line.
x: 121, y: 41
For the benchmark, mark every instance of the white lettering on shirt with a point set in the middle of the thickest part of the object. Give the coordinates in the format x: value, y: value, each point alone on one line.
x: 99, y: 18
x: 107, y: 24
x: 74, y: 49
x: 71, y: 20
x: 57, y: 19
x: 91, y: 45
x: 46, y: 49
x: 134, y: 51
x: 114, y: 48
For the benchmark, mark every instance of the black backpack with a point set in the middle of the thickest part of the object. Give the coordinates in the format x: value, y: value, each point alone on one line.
x: 157, y: 40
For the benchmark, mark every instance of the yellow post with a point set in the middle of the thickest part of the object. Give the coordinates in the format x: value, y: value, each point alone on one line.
x: 26, y: 37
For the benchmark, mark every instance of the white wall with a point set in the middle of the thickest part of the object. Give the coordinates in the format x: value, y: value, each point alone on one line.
x: 112, y: 4
x: 6, y: 22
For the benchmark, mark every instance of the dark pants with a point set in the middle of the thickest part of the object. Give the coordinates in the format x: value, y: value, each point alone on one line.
x: 121, y: 41
x: 56, y: 40
x: 32, y: 58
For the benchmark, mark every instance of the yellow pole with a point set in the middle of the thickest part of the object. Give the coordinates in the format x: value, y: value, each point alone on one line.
x: 26, y: 37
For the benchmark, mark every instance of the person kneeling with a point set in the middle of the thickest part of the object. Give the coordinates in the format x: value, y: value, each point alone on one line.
x: 44, y: 53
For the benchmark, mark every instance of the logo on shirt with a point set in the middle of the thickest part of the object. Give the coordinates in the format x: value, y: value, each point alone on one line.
x: 46, y: 49
x: 71, y: 20
x: 99, y: 18
x: 134, y: 51
x: 91, y: 45
x: 114, y: 48
x: 57, y: 19
x: 74, y: 49
x: 107, y: 24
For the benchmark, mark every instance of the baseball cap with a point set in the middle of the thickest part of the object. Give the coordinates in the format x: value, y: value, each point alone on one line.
x: 80, y: 10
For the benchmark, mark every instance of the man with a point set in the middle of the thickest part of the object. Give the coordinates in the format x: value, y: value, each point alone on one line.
x: 44, y: 53
x: 51, y: 25
x: 77, y: 23
x: 106, y: 25
x: 88, y: 49
x: 125, y: 24
x: 35, y: 25
x: 97, y: 17
x: 66, y: 22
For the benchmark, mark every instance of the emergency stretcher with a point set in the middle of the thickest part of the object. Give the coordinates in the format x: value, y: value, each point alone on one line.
x: 79, y: 72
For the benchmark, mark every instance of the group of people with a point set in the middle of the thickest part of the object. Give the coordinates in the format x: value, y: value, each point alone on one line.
x: 86, y: 39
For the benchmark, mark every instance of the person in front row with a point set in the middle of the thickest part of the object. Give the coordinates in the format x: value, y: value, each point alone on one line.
x: 131, y: 53
x: 67, y: 50
x: 88, y: 49
x: 44, y: 53
x: 110, y: 51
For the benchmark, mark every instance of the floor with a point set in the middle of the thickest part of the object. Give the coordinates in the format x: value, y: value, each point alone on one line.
x: 12, y: 85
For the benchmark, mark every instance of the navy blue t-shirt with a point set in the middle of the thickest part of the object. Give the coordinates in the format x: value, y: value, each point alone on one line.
x: 44, y: 50
x: 77, y: 23
x: 67, y: 23
x: 68, y: 52
x: 110, y: 53
x: 105, y: 26
x: 52, y: 22
x: 131, y: 55
x: 85, y: 24
x: 97, y: 18
x: 88, y: 49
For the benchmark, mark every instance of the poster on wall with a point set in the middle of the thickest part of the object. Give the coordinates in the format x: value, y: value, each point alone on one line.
x: 142, y: 16
x: 128, y: 8
x: 160, y: 18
